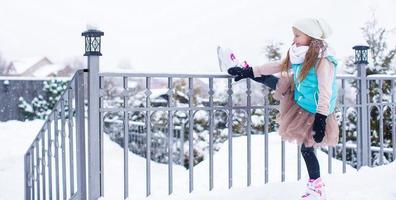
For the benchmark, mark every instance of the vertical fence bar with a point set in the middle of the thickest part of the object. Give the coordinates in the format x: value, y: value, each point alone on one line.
x: 283, y: 173
x: 393, y: 121
x: 298, y: 161
x: 56, y: 156
x: 101, y: 121
x: 182, y: 133
x: 376, y: 106
x: 70, y: 129
x: 266, y: 123
x: 49, y: 147
x: 36, y: 146
x: 369, y: 128
x: 126, y: 138
x: 170, y: 136
x: 190, y: 135
x: 381, y: 126
x: 80, y: 136
x: 43, y: 166
x: 148, y: 137
x: 211, y: 129
x: 248, y: 130
x: 358, y: 130
x: 329, y: 159
x: 33, y: 168
x: 230, y: 133
x: 63, y: 149
x: 27, y: 177
x: 343, y: 126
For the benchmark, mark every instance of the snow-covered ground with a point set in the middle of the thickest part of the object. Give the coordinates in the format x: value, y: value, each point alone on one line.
x: 15, y: 138
x: 367, y: 183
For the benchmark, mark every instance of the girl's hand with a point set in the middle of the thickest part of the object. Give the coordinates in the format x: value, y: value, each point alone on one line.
x: 319, y: 127
x: 241, y: 73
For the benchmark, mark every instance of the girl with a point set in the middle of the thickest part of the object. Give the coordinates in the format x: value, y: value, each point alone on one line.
x: 307, y: 95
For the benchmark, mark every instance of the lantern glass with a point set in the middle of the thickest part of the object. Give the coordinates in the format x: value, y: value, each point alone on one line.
x: 95, y: 44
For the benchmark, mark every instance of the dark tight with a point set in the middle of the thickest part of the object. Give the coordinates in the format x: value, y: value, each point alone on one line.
x: 311, y: 161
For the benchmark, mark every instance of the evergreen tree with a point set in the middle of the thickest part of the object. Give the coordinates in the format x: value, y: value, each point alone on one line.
x: 40, y: 107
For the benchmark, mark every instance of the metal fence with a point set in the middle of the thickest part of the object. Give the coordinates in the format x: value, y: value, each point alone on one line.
x: 52, y: 172
x: 55, y: 162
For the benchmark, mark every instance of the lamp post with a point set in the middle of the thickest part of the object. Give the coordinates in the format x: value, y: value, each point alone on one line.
x: 363, y: 140
x: 95, y: 137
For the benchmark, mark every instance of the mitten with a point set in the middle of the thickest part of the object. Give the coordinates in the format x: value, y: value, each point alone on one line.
x: 241, y: 73
x: 319, y: 127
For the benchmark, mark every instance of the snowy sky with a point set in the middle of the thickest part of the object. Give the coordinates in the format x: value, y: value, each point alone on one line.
x: 175, y: 35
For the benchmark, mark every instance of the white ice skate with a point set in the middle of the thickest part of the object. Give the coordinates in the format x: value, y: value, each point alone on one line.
x: 315, y: 190
x: 227, y: 59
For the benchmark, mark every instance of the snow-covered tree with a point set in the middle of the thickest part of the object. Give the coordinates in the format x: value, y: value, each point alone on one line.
x: 40, y: 107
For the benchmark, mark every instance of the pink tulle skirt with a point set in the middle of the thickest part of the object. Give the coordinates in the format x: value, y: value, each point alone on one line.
x: 295, y: 123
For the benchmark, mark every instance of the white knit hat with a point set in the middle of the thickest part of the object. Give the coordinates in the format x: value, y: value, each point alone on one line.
x: 316, y: 28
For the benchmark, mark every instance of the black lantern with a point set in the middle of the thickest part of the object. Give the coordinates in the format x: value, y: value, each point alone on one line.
x: 361, y: 54
x: 92, y: 42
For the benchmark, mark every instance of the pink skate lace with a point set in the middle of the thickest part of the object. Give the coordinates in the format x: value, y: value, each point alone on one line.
x: 245, y: 64
x: 232, y: 56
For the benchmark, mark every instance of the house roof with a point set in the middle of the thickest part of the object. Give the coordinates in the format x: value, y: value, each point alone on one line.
x: 47, y: 70
x: 22, y: 65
